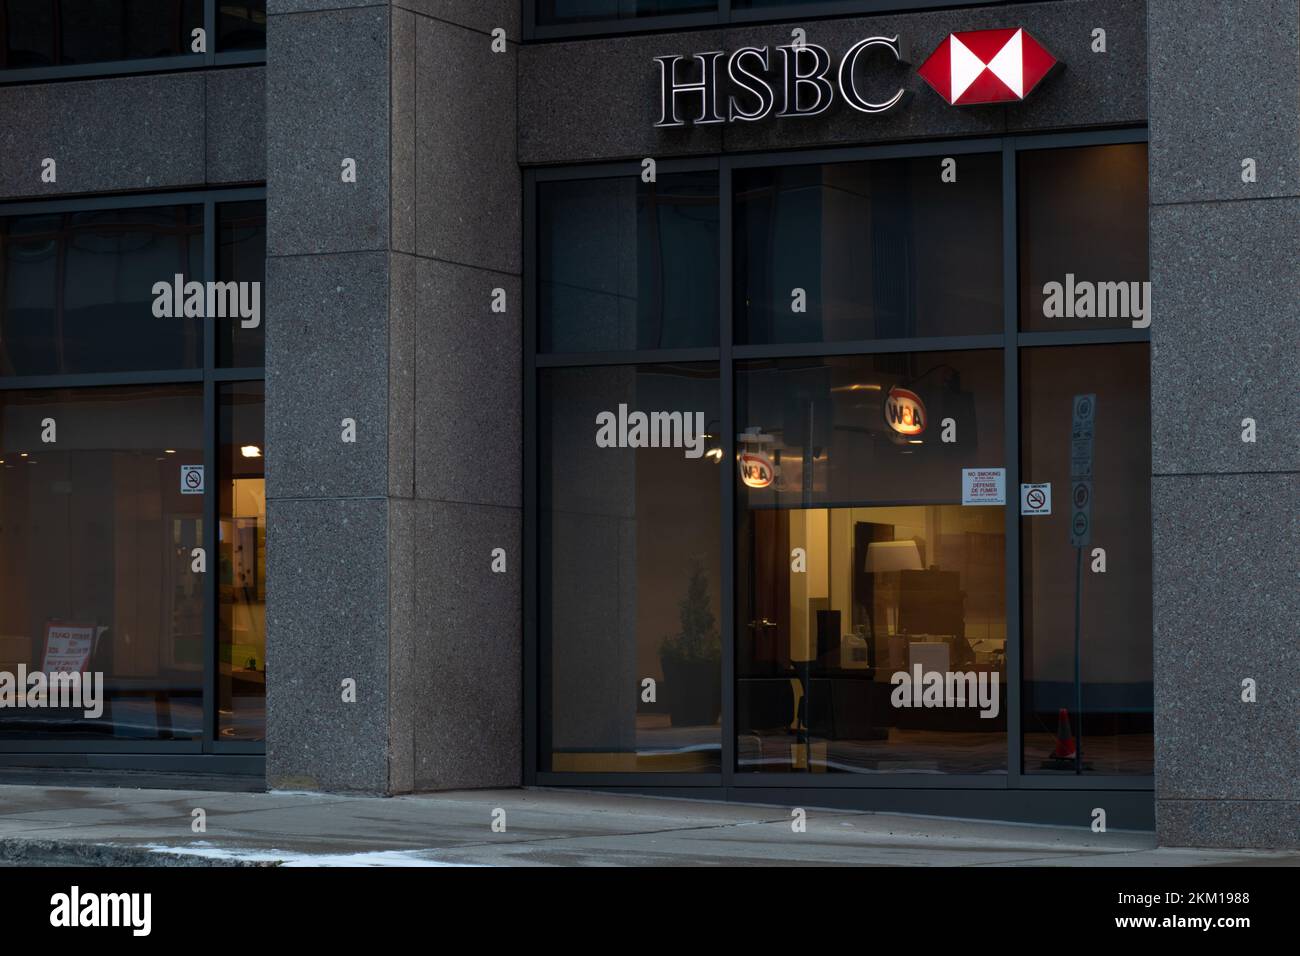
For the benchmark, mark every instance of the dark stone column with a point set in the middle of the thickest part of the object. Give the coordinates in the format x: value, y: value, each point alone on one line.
x: 1225, y: 277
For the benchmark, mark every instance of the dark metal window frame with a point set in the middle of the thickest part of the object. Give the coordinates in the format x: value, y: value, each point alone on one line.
x: 160, y: 64
x: 238, y: 756
x: 1039, y: 796
x: 727, y: 14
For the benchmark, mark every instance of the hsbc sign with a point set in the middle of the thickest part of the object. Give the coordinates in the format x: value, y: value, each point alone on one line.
x: 802, y: 79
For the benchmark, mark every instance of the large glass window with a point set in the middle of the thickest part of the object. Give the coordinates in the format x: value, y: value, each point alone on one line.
x: 1083, y: 250
x: 241, y: 257
x: 875, y: 604
x: 578, y: 11
x: 241, y: 25
x: 1093, y: 597
x: 629, y: 535
x: 857, y: 564
x: 625, y: 264
x: 554, y: 16
x: 76, y: 290
x: 883, y: 249
x: 132, y: 526
x: 241, y: 541
x: 96, y: 541
x: 40, y: 33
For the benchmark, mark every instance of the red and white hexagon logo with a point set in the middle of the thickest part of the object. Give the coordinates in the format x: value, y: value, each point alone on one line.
x: 986, y: 66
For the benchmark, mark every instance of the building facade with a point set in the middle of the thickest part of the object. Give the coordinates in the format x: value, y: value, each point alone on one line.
x: 864, y: 403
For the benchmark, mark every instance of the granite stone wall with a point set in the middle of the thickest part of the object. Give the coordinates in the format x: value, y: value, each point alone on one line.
x: 379, y: 550
x: 1225, y: 84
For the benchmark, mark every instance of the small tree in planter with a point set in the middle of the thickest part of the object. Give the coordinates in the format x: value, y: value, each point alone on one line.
x: 691, y: 658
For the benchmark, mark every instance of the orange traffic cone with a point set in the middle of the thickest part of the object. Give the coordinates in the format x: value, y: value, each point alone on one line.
x: 1064, y: 737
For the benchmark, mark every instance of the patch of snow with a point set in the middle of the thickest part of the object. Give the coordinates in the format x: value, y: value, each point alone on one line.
x: 298, y: 859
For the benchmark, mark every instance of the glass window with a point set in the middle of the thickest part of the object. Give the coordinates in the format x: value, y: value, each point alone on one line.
x: 576, y: 11
x: 96, y: 540
x: 241, y: 25
x: 869, y: 250
x: 39, y: 33
x: 1083, y: 238
x: 624, y: 264
x: 868, y: 428
x: 629, y: 530
x: 859, y: 572
x: 241, y: 534
x: 241, y: 257
x: 1114, y: 734
x: 76, y: 290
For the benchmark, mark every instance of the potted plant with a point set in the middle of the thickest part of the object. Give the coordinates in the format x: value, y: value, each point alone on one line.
x: 691, y: 659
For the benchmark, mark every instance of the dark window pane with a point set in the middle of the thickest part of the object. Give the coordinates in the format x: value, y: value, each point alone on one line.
x: 1083, y: 237
x: 241, y: 25
x: 881, y: 249
x: 825, y: 424
x: 241, y: 531
x: 1115, y: 733
x: 897, y: 573
x: 76, y: 290
x: 95, y: 556
x: 624, y: 264
x: 60, y: 32
x: 241, y: 257
x: 629, y: 570
x: 576, y: 11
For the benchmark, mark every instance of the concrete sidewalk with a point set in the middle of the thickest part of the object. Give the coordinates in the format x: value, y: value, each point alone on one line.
x: 44, y: 826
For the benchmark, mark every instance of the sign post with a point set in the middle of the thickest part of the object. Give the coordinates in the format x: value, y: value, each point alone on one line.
x: 1081, y: 432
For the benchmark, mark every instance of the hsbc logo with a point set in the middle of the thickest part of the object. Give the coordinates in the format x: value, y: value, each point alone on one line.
x: 986, y: 66
x: 803, y: 79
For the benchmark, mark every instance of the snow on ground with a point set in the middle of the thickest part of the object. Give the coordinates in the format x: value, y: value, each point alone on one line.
x: 293, y: 858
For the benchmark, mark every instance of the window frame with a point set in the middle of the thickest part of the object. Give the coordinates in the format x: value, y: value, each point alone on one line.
x: 197, y: 754
x: 725, y: 14
x: 106, y: 69
x: 947, y: 793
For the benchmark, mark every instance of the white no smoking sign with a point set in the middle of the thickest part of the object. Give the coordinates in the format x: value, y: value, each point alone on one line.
x: 1036, y: 499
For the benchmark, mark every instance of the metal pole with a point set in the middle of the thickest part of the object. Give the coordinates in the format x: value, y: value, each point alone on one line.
x: 1078, y: 676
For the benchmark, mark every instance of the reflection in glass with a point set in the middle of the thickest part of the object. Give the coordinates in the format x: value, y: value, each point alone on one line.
x: 1094, y: 232
x: 577, y: 11
x: 1115, y: 733
x: 241, y: 531
x: 241, y: 257
x: 856, y: 562
x: 76, y: 290
x: 36, y: 33
x: 869, y: 428
x: 241, y: 24
x: 629, y: 569
x: 880, y: 249
x: 97, y: 540
x: 624, y: 264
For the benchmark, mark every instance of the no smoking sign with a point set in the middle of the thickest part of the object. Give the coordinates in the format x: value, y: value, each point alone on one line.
x: 191, y: 479
x: 1036, y: 499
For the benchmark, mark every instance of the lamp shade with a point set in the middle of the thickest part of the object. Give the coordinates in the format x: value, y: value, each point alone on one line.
x: 892, y: 556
